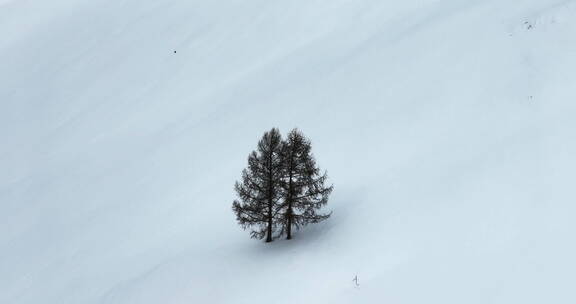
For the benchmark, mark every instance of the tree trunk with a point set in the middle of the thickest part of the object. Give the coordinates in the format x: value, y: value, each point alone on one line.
x: 290, y: 192
x: 269, y: 232
x: 289, y: 230
x: 270, y: 201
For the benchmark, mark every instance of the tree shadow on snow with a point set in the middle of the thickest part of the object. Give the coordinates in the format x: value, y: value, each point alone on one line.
x: 324, y: 234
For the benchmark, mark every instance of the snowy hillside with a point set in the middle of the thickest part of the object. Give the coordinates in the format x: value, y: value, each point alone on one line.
x: 446, y: 126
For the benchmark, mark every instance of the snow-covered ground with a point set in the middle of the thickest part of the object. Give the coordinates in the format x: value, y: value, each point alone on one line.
x: 446, y: 126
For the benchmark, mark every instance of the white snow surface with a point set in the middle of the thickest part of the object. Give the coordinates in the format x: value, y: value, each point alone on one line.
x: 447, y: 127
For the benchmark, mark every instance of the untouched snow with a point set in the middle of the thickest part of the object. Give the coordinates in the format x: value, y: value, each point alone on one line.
x: 446, y: 126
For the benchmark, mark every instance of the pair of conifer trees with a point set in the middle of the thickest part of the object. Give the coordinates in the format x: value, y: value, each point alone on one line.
x: 281, y: 188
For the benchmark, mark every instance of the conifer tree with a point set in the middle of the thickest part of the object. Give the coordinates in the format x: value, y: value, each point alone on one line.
x: 303, y: 189
x: 259, y: 190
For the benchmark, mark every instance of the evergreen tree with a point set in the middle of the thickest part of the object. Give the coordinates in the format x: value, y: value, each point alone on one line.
x: 303, y: 189
x: 259, y: 190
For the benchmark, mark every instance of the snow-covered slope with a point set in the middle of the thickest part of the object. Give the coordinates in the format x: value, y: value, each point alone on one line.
x: 446, y: 126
